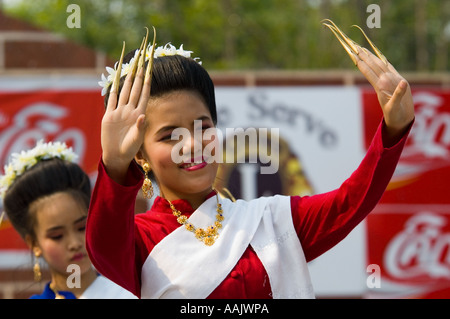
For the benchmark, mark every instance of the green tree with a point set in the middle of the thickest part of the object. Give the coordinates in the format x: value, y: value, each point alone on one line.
x: 257, y: 34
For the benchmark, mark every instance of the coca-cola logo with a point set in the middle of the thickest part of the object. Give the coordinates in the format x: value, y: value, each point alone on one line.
x: 41, y: 120
x: 420, y: 251
x: 431, y: 133
x: 428, y: 145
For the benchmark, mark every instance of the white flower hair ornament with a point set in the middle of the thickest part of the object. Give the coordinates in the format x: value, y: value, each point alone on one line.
x: 21, y: 162
x: 144, y: 51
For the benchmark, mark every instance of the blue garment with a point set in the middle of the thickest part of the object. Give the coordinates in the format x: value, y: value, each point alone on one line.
x: 49, y: 294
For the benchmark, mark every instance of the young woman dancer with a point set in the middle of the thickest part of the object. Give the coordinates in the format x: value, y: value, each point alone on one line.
x: 192, y: 243
x: 46, y: 196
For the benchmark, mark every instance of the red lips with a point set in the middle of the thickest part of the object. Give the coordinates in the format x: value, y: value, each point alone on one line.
x: 77, y: 257
x: 194, y: 164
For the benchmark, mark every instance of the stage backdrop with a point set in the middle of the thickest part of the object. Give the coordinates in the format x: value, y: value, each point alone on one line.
x: 323, y: 135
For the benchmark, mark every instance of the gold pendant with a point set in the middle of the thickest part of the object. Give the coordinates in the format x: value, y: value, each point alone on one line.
x: 209, y: 240
x: 208, y: 236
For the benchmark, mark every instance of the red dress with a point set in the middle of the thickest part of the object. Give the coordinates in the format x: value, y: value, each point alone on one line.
x: 119, y: 242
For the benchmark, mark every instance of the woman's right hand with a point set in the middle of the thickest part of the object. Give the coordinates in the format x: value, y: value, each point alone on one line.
x: 123, y: 124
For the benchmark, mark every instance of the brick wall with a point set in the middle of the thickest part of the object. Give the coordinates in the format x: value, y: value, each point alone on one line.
x: 25, y: 47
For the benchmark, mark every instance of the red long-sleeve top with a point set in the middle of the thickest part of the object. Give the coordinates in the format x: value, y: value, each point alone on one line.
x: 119, y: 242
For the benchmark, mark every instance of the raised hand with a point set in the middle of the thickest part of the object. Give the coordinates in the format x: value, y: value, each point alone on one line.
x: 393, y: 91
x: 123, y: 124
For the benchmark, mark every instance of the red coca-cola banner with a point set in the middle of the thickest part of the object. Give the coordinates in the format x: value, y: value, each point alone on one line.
x: 71, y: 116
x: 409, y: 231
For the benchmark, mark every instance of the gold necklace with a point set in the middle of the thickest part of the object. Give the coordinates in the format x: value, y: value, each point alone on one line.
x: 57, y: 295
x: 209, y: 235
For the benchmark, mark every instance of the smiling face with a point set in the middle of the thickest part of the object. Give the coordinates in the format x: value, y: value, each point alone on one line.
x: 60, y: 232
x: 193, y: 178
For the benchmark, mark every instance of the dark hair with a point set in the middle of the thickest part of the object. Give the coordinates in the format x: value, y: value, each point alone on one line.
x: 45, y: 178
x: 172, y: 73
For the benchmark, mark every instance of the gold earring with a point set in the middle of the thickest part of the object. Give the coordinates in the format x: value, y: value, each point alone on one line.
x: 37, y: 268
x: 147, y: 187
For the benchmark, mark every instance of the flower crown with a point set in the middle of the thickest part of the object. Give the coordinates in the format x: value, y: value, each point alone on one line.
x: 20, y: 162
x: 167, y: 50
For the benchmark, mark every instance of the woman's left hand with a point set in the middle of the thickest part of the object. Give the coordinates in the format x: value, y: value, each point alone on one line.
x: 393, y: 91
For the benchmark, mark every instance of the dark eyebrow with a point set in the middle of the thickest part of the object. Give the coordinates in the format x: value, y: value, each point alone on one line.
x: 166, y: 129
x: 205, y: 118
x: 82, y: 218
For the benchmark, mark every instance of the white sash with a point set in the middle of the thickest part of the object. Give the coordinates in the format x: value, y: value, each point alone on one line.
x: 103, y: 288
x: 181, y: 266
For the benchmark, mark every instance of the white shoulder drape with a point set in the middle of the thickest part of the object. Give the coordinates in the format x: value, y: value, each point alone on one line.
x: 181, y: 266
